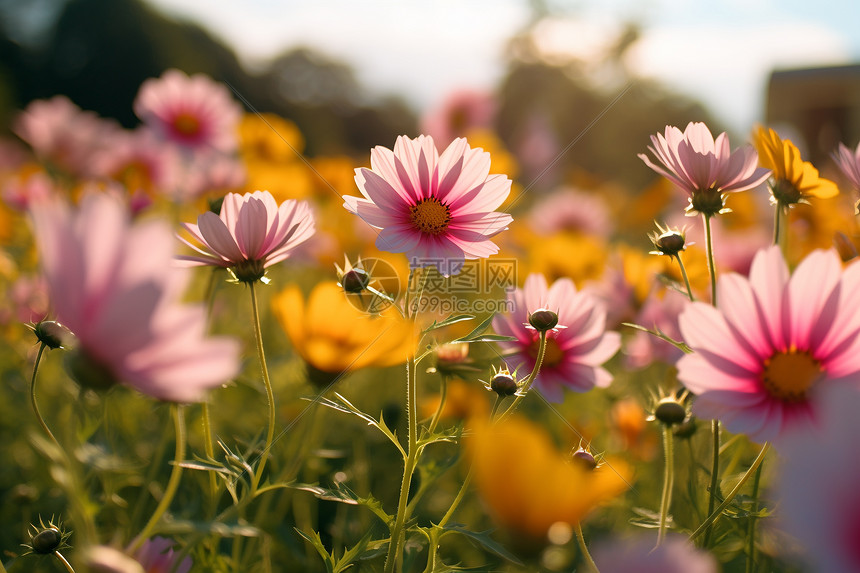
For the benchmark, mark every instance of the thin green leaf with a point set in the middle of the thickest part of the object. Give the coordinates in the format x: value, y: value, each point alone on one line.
x: 662, y: 336
x: 342, y: 494
x: 352, y: 555
x: 181, y: 527
x: 486, y: 338
x: 344, y: 405
x: 314, y: 539
x: 478, y: 330
x: 448, y: 321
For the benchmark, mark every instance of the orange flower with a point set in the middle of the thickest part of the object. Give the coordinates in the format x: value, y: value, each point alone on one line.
x: 794, y: 180
x: 528, y: 485
x: 333, y: 337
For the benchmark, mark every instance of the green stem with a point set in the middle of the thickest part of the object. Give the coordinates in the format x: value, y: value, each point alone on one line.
x: 65, y: 563
x: 33, y: 398
x: 684, y: 274
x: 752, y: 523
x: 210, y: 450
x: 529, y: 381
x: 87, y: 531
x: 716, y: 513
x: 715, y: 478
x: 776, y: 223
x: 712, y: 269
x: 270, y: 397
x: 783, y: 235
x: 435, y: 532
x: 668, y: 481
x: 584, y: 548
x: 394, y: 559
x: 172, y: 483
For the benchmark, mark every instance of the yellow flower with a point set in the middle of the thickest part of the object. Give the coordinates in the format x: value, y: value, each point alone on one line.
x: 268, y: 137
x: 581, y: 258
x: 793, y: 179
x: 332, y: 336
x: 542, y: 487
x: 290, y: 180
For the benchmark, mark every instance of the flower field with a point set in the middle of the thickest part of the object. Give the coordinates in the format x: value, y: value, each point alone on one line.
x: 222, y: 353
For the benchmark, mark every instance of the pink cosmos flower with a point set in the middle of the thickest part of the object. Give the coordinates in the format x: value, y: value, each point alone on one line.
x: 439, y: 210
x: 139, y: 161
x: 572, y: 210
x: 157, y: 555
x: 819, y: 502
x: 762, y: 356
x: 674, y: 555
x: 849, y: 162
x: 251, y: 234
x: 114, y: 285
x: 703, y: 167
x: 193, y: 112
x: 459, y: 113
x: 62, y: 133
x: 574, y: 354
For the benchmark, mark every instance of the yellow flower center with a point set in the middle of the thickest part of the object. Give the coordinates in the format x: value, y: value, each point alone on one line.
x: 789, y: 375
x: 186, y: 124
x: 552, y: 355
x: 430, y: 216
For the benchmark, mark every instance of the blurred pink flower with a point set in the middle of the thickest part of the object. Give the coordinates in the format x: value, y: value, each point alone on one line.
x: 774, y: 341
x: 459, y: 113
x: 208, y: 173
x: 193, y: 112
x: 23, y: 188
x: 115, y: 286
x: 573, y: 354
x: 61, y: 133
x: 674, y: 555
x: 139, y: 161
x: 439, y: 210
x: 29, y: 298
x: 703, y: 167
x: 660, y: 312
x: 849, y: 162
x: 569, y: 209
x: 251, y: 234
x: 157, y: 555
x: 818, y: 499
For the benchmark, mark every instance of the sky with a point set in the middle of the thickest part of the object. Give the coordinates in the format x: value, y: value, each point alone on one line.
x: 718, y: 51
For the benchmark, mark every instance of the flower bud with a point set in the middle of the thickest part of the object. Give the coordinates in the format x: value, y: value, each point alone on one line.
x: 584, y: 459
x: 355, y: 281
x: 670, y: 412
x: 543, y: 320
x: 503, y: 384
x: 53, y: 334
x: 668, y: 241
x: 46, y: 541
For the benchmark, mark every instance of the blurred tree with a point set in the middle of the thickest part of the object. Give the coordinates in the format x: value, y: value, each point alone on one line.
x: 98, y: 52
x: 544, y: 107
